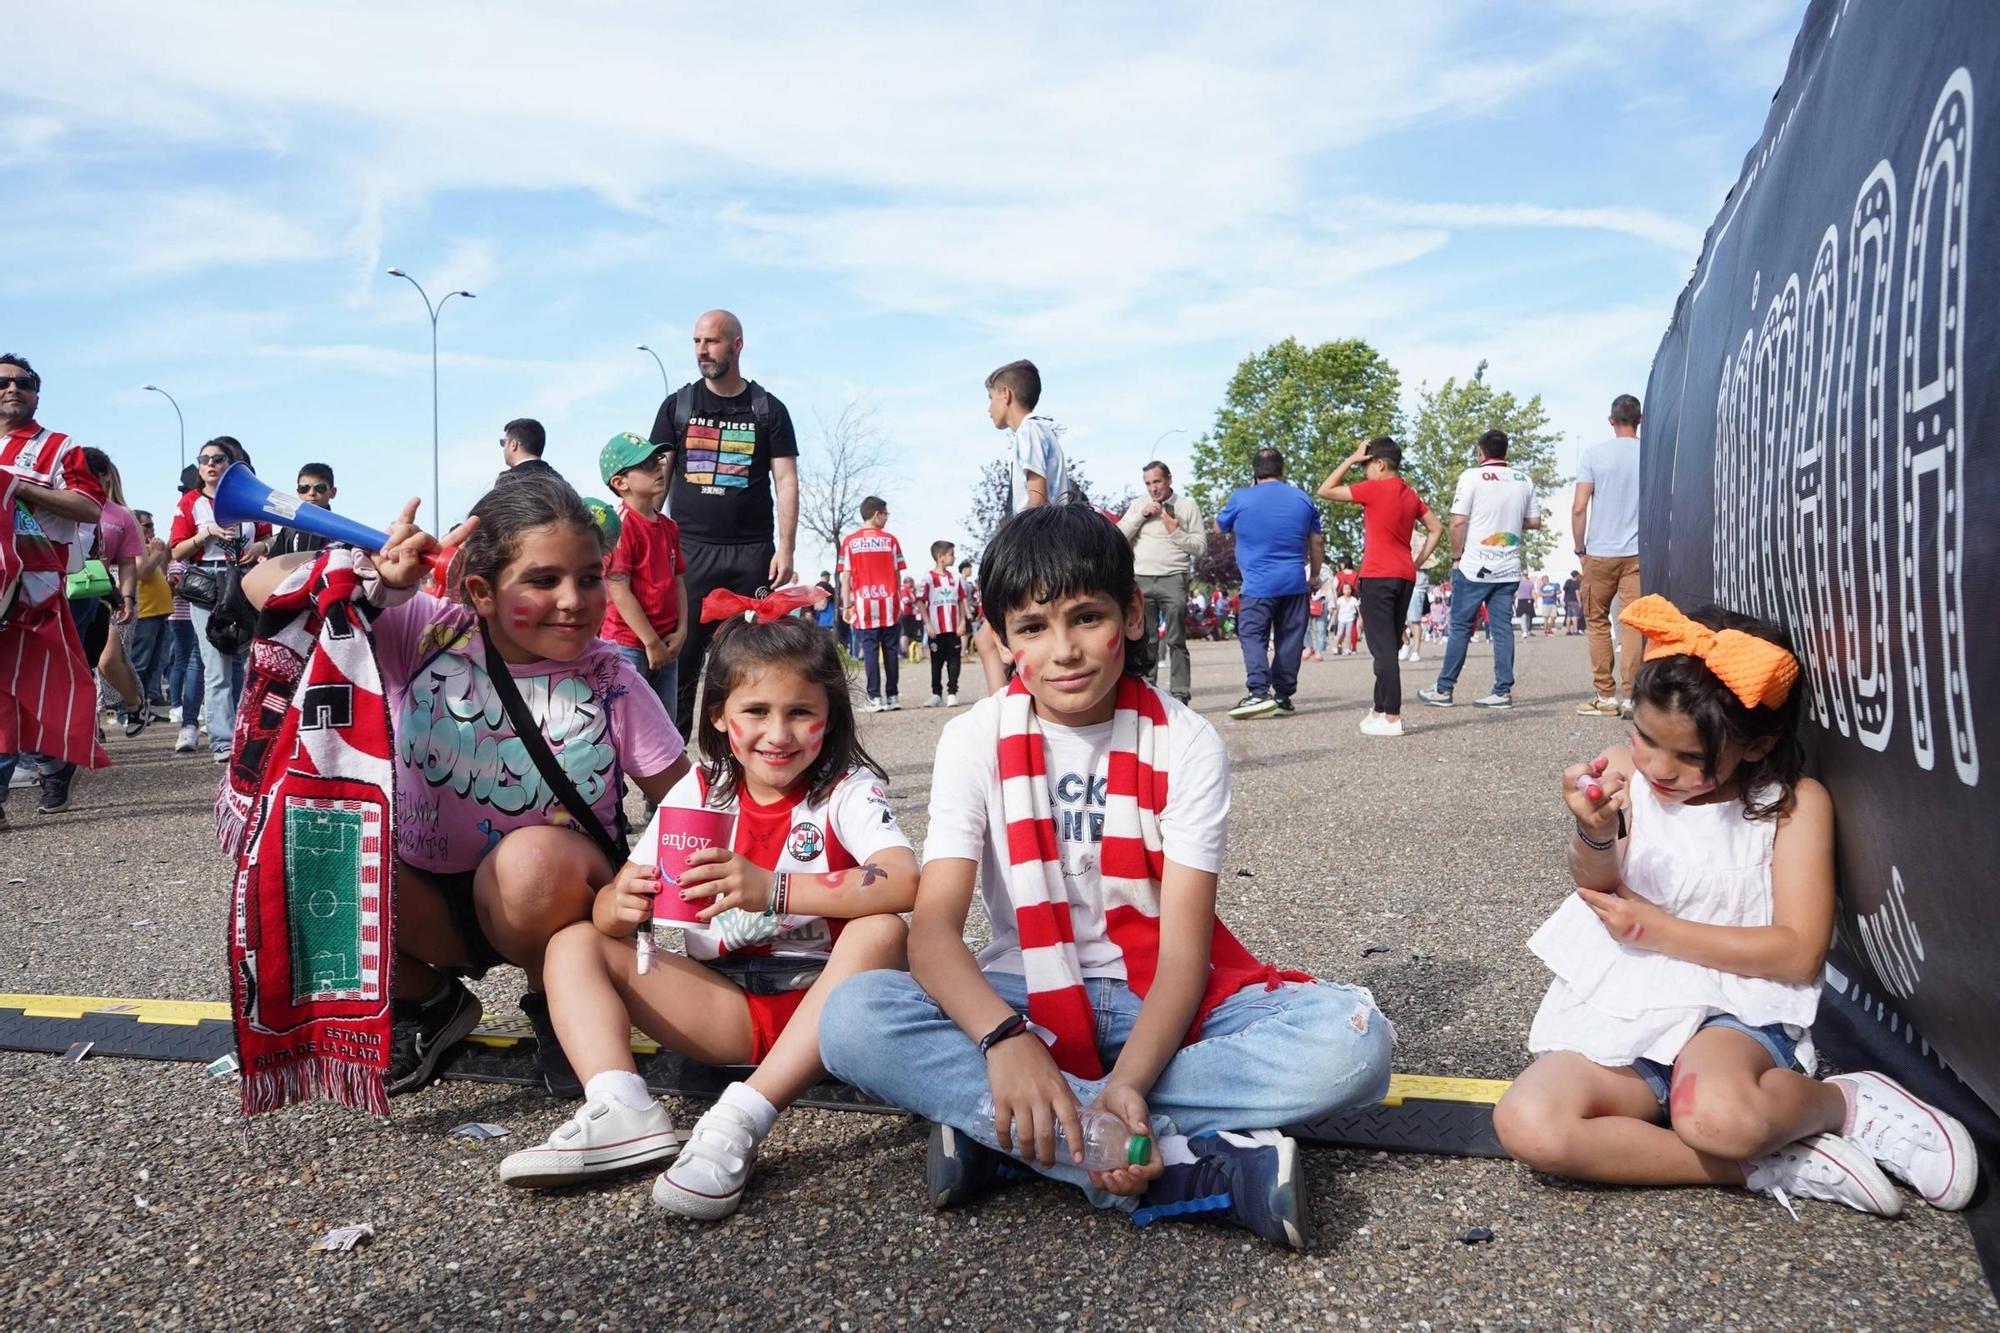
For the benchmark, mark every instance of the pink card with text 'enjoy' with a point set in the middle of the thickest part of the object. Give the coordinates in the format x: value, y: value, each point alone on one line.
x: 683, y: 832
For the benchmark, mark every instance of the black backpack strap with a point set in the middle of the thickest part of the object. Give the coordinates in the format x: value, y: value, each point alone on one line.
x: 614, y: 849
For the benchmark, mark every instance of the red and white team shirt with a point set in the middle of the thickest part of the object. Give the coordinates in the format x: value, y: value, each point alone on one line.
x: 853, y: 824
x: 942, y: 594
x: 33, y: 452
x: 871, y: 571
x: 194, y: 513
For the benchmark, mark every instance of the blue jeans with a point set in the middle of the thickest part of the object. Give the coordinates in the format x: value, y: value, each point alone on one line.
x: 1266, y: 1058
x: 1466, y: 599
x: 144, y: 639
x: 665, y: 681
x: 885, y: 641
x: 1272, y: 632
x: 222, y: 679
x: 1319, y: 632
x: 184, y: 671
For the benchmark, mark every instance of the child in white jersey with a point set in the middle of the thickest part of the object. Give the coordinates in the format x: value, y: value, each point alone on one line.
x: 805, y: 897
x: 1674, y: 1045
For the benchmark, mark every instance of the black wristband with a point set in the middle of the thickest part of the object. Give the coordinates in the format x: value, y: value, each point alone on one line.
x: 1011, y: 1026
x: 1593, y: 843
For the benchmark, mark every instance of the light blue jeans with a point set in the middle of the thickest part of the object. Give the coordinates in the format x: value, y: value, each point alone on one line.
x: 665, y: 681
x: 1266, y: 1058
x: 222, y: 679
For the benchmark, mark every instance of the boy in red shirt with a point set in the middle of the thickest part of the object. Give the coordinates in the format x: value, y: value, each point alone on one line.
x: 647, y: 617
x: 1389, y: 511
x: 871, y: 572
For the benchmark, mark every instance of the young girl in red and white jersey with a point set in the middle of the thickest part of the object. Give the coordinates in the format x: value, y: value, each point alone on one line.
x: 805, y: 897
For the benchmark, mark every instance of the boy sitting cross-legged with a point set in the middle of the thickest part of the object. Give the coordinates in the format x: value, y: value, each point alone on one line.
x: 1090, y: 809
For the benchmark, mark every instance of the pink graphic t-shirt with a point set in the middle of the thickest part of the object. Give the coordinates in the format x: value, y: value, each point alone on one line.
x: 463, y: 778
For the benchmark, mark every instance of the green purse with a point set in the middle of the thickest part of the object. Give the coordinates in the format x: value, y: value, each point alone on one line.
x: 91, y: 582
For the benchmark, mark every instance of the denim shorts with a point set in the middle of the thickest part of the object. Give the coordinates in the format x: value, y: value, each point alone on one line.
x: 1779, y: 1044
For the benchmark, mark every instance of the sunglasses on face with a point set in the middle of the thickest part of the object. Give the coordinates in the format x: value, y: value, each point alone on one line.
x: 314, y: 487
x: 207, y: 460
x: 25, y: 383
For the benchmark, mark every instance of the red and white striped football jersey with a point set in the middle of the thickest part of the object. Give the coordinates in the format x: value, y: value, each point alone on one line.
x: 871, y: 571
x: 942, y: 594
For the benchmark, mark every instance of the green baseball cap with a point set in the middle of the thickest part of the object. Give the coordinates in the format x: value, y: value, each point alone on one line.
x: 606, y: 518
x: 624, y: 450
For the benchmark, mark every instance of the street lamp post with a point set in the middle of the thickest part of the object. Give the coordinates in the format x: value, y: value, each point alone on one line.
x: 666, y: 385
x: 1177, y: 430
x: 154, y: 388
x: 437, y: 501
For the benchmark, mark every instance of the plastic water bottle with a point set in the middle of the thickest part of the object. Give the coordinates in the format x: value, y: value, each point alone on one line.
x: 1107, y: 1143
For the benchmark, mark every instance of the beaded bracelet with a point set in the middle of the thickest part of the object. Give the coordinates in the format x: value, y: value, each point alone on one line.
x: 1593, y: 843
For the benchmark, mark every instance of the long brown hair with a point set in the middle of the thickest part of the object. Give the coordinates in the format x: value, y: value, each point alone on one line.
x: 741, y: 648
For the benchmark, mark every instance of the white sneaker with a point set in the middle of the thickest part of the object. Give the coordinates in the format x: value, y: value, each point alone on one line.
x: 1403, y: 654
x: 1378, y: 724
x: 602, y: 1139
x: 1494, y: 700
x: 706, y: 1181
x: 186, y: 742
x: 1825, y: 1166
x: 174, y: 715
x: 1369, y: 720
x: 951, y: 701
x: 935, y: 701
x: 892, y: 705
x: 874, y: 705
x: 1912, y: 1140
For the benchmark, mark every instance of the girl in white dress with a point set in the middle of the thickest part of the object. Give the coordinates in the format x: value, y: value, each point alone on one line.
x: 1674, y: 1045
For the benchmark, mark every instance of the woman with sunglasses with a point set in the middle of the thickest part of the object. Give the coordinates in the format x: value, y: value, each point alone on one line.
x: 203, y: 543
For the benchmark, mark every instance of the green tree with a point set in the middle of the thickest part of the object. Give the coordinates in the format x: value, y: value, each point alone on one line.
x: 1443, y: 439
x: 992, y: 493
x: 1315, y: 404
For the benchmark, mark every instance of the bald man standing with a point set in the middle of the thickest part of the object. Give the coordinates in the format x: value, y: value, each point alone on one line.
x: 731, y: 442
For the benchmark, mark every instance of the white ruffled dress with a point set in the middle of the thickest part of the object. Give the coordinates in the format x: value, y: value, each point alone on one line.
x: 1616, y: 1004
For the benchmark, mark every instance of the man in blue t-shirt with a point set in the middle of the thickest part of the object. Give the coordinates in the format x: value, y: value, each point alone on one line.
x: 1604, y: 524
x: 1277, y: 532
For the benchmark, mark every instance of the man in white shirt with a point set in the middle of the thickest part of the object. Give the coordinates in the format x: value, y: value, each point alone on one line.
x: 1166, y: 531
x: 1494, y: 505
x: 1604, y: 523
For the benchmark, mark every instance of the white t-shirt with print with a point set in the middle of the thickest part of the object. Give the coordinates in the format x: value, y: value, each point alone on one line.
x: 1038, y: 449
x: 1496, y: 502
x: 967, y: 821
x: 853, y: 824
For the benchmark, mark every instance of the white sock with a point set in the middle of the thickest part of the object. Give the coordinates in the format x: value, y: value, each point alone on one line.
x: 752, y: 1103
x: 1173, y: 1150
x: 620, y: 1087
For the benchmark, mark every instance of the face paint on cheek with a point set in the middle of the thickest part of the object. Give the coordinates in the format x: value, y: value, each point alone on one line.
x: 1021, y: 666
x: 816, y: 730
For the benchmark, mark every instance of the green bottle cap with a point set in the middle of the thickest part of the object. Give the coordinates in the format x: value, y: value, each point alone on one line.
x: 1138, y: 1150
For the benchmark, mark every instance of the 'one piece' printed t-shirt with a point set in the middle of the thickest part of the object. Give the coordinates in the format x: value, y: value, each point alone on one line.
x: 854, y: 823
x: 464, y: 779
x: 968, y: 822
x: 721, y: 488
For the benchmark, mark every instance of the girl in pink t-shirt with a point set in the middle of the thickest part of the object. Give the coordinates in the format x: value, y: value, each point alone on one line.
x: 489, y: 862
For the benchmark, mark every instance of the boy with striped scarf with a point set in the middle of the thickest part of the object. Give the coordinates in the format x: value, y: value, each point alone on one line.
x: 1090, y: 810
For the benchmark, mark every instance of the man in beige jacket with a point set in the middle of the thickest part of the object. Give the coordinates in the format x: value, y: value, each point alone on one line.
x: 1167, y: 531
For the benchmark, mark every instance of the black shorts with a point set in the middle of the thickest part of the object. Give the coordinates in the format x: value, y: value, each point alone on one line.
x: 456, y: 888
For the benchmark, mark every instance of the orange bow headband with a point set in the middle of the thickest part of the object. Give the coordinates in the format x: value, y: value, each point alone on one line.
x: 1757, y: 671
x: 721, y: 604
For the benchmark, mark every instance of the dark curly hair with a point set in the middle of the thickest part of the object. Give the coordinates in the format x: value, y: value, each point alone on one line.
x: 1683, y: 684
x: 742, y: 647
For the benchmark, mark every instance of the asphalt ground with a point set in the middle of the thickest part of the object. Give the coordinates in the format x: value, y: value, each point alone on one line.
x: 134, y: 1195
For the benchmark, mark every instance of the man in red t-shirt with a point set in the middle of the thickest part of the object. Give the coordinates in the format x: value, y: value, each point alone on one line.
x: 648, y: 615
x: 871, y: 576
x: 1389, y: 512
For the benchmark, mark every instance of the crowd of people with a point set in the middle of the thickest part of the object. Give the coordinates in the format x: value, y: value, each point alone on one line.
x: 661, y: 641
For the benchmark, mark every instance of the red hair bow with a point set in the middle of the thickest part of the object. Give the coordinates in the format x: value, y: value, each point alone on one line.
x: 721, y: 604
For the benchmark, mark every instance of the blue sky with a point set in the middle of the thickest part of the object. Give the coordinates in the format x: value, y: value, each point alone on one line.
x: 895, y: 200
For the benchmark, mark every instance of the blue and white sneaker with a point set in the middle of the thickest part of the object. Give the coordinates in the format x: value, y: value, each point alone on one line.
x: 1254, y: 1180
x: 959, y: 1168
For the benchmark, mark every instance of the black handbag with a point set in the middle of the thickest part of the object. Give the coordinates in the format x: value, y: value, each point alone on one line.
x: 524, y: 724
x: 232, y: 621
x: 199, y: 586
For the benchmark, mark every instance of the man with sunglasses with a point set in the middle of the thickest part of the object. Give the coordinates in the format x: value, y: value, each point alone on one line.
x: 55, y: 504
x: 315, y: 487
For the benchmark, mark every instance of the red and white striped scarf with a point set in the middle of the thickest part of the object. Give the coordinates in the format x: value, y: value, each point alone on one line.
x: 1130, y: 861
